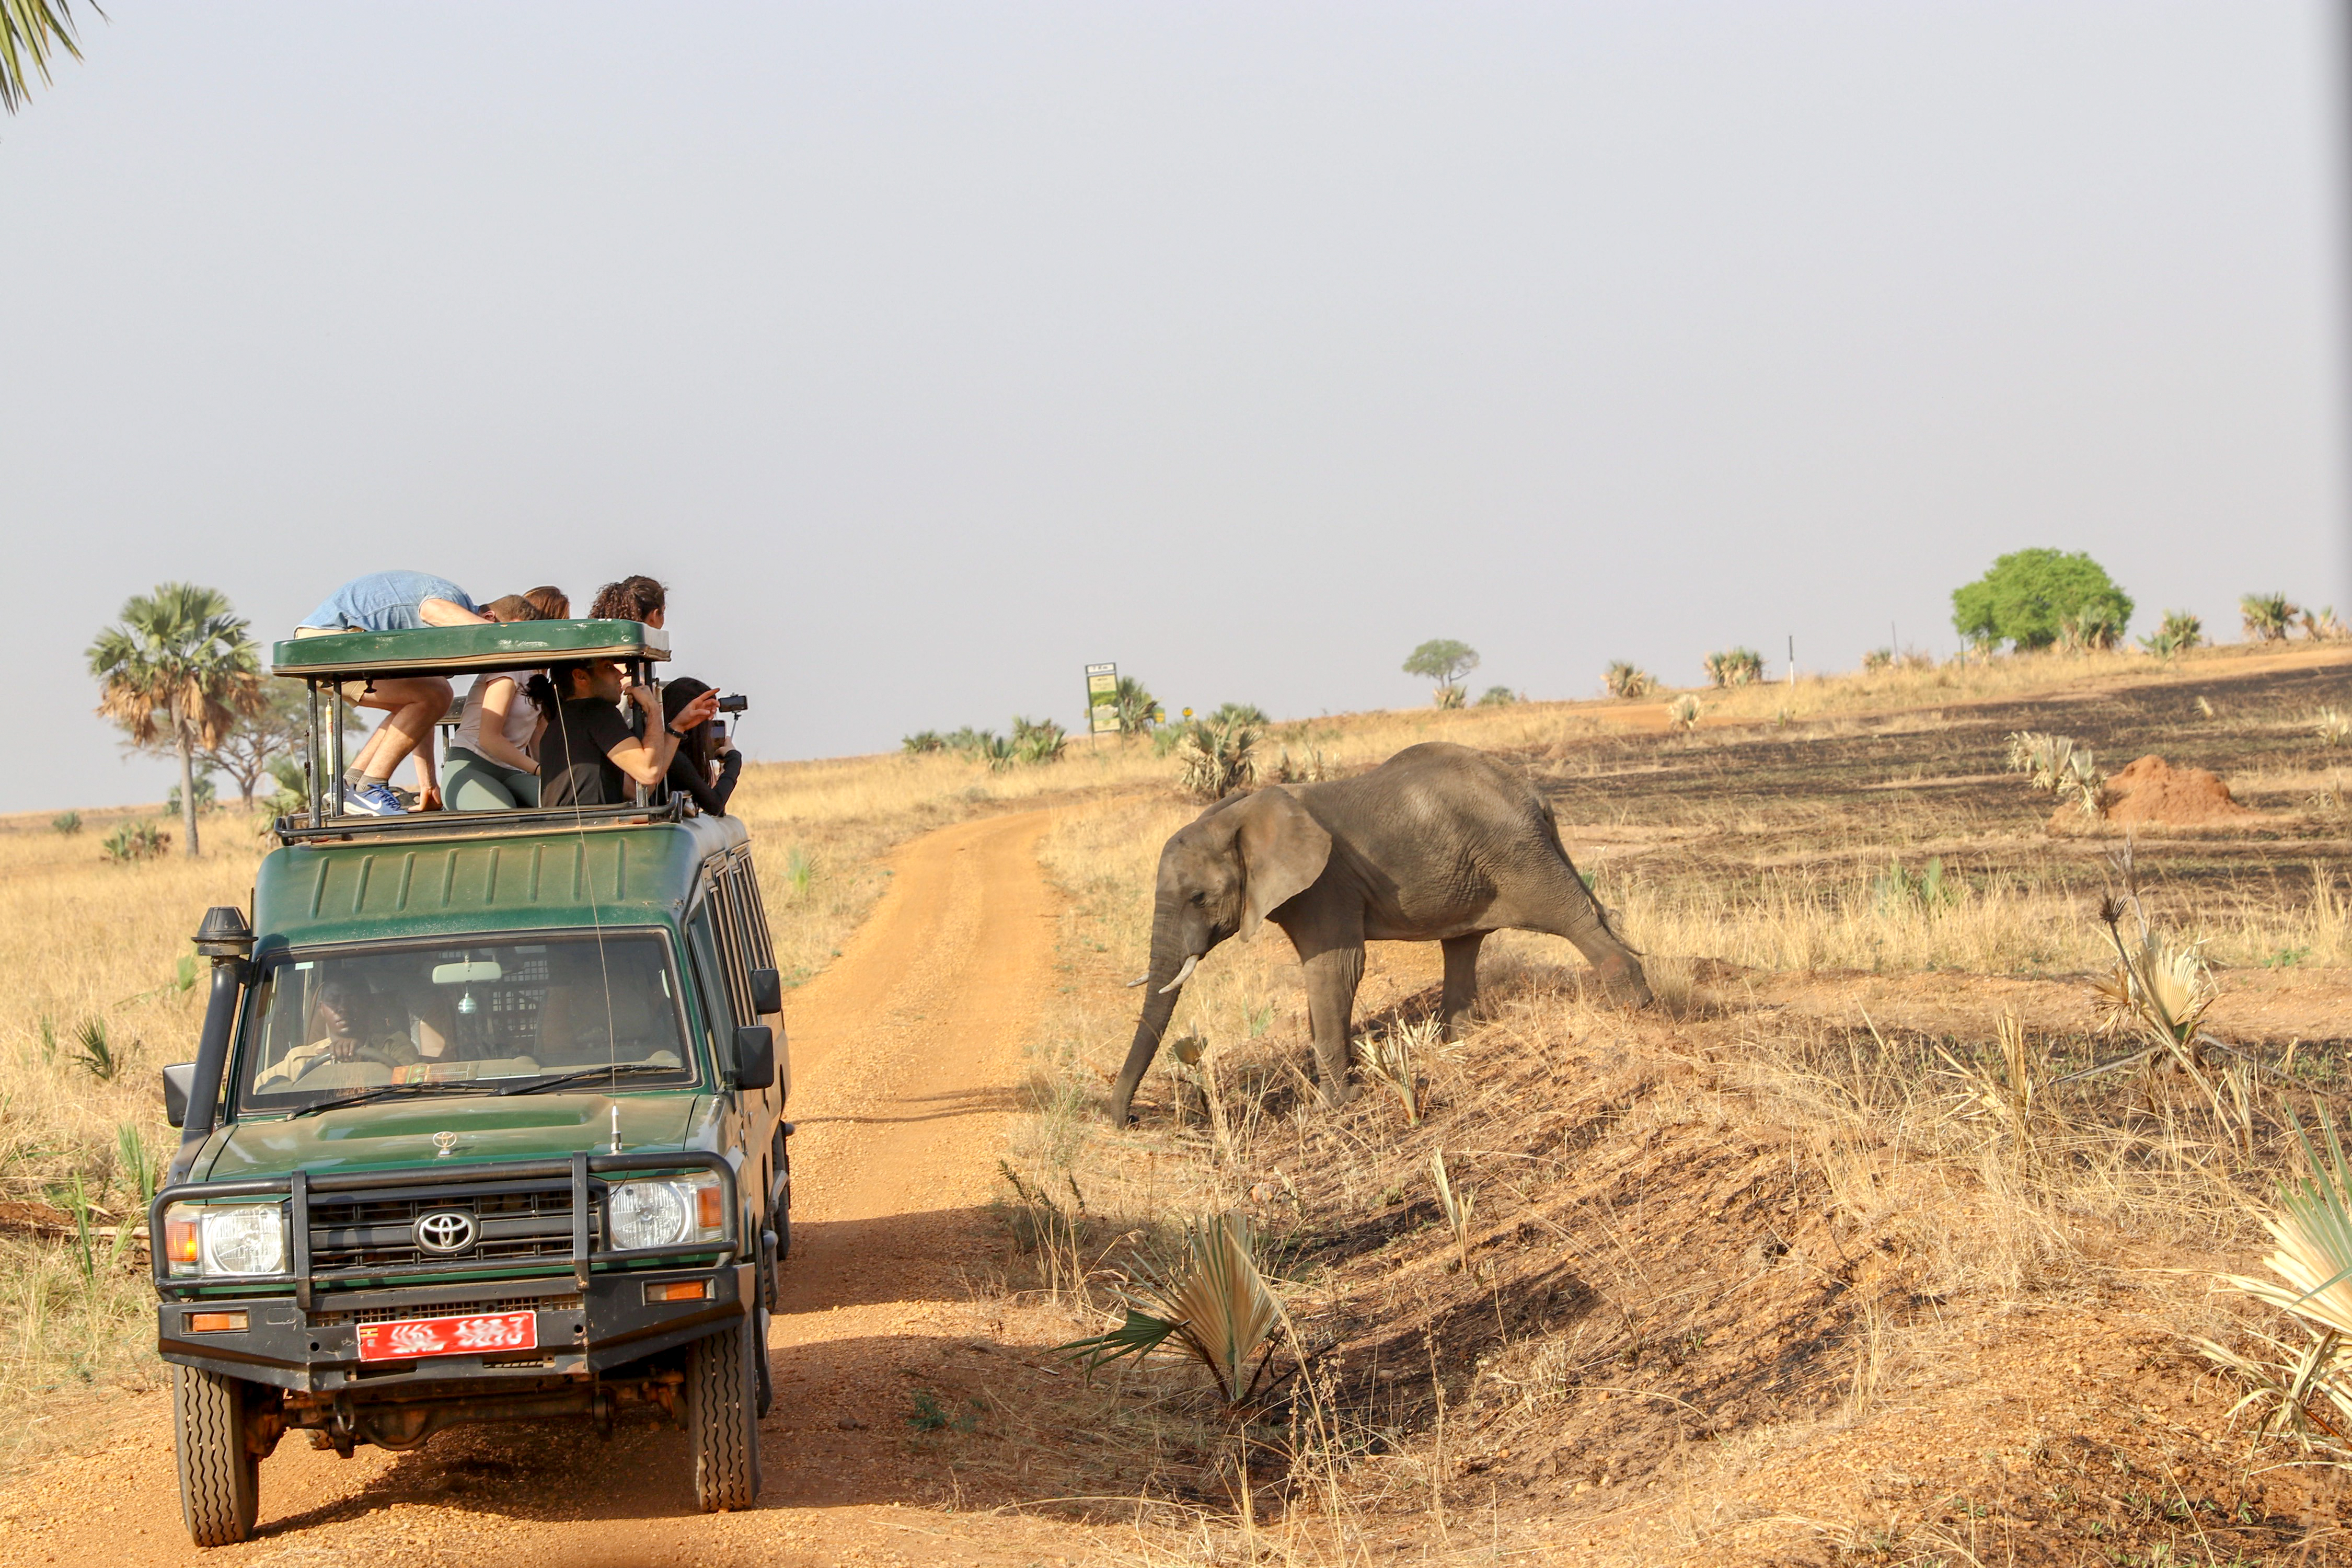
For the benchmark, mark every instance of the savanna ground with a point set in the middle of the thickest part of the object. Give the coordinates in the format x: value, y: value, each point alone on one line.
x: 1772, y: 1271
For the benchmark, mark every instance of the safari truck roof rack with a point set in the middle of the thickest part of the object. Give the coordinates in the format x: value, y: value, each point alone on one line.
x: 453, y: 650
x: 329, y: 663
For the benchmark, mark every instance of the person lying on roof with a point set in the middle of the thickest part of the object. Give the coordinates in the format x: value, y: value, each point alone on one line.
x: 393, y: 602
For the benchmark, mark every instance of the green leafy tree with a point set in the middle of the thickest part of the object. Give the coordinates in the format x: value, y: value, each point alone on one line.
x: 31, y: 33
x: 1445, y: 661
x: 1496, y: 697
x: 2027, y: 596
x: 177, y: 672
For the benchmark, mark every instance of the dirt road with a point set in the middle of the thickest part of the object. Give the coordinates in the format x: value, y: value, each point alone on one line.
x: 907, y: 1065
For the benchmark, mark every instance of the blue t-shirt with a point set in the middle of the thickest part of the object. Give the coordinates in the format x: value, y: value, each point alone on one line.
x: 385, y: 602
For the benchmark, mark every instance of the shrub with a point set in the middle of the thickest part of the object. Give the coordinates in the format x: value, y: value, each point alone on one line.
x: 2266, y: 617
x: 2180, y: 632
x: 1736, y: 667
x: 2058, y: 765
x: 1240, y: 714
x: 1210, y: 1304
x: 1629, y: 680
x: 922, y: 743
x: 2024, y: 598
x: 1497, y: 696
x: 1037, y: 740
x: 2095, y: 627
x: 1138, y: 710
x: 1683, y: 712
x: 1445, y: 661
x: 1213, y: 761
x: 1314, y: 770
x: 136, y: 841
x: 96, y: 1053
x: 207, y: 796
x: 66, y: 823
x: 2331, y: 726
x: 2323, y: 627
x: 1877, y: 660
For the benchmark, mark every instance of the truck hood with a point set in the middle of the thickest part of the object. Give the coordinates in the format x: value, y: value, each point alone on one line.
x: 401, y: 1133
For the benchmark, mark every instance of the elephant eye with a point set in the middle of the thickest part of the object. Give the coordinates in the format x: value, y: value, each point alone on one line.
x: 1200, y: 898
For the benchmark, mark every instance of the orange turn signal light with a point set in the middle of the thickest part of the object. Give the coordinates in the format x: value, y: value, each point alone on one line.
x: 180, y: 1240
x: 679, y: 1290
x: 216, y: 1322
x: 707, y: 1214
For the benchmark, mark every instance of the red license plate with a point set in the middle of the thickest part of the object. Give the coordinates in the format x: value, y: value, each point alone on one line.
x: 449, y: 1336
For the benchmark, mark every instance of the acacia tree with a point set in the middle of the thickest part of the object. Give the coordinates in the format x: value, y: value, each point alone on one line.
x: 178, y: 670
x: 30, y: 32
x: 1445, y: 661
x: 2026, y: 597
x: 275, y: 726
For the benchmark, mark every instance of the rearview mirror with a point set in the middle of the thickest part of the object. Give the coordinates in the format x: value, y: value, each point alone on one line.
x: 179, y: 1083
x: 755, y: 1057
x: 467, y: 971
x: 767, y: 991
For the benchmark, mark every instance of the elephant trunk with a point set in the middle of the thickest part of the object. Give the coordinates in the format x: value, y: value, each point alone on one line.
x: 1159, y: 1001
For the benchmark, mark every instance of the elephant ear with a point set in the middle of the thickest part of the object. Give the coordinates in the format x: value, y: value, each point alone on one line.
x: 1282, y: 851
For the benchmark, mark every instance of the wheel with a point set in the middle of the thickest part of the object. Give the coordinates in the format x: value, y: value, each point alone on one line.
x: 220, y: 1478
x: 721, y: 1415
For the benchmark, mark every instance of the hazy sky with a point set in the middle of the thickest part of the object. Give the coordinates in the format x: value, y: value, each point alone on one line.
x: 932, y: 352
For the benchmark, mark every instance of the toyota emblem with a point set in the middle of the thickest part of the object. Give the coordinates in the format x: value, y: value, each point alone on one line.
x: 442, y: 1142
x: 444, y: 1232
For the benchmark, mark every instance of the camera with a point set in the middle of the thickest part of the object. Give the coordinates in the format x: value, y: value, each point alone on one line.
x: 733, y: 704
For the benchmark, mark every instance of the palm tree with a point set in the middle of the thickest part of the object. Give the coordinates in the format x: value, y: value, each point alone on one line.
x: 30, y: 32
x: 178, y: 669
x: 1137, y: 708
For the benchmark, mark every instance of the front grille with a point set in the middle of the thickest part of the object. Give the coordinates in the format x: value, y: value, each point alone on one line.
x: 360, y: 1233
x: 449, y: 1310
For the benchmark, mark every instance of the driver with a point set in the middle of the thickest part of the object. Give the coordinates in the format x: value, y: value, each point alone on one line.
x: 351, y: 1027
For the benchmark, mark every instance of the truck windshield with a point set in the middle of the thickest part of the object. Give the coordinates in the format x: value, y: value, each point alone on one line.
x: 470, y: 1017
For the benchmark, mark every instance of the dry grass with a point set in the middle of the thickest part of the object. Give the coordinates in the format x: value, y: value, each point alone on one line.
x: 1737, y: 1271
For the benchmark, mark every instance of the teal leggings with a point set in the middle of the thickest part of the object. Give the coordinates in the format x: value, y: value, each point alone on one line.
x: 476, y: 783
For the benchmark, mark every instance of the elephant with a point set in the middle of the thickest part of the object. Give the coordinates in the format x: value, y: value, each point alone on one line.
x: 1441, y: 843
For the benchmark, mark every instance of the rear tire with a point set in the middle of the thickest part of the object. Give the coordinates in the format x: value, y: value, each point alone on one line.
x: 721, y: 1404
x: 220, y: 1478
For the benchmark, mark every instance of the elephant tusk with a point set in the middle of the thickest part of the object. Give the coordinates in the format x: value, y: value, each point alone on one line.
x: 1181, y: 976
x: 1139, y: 979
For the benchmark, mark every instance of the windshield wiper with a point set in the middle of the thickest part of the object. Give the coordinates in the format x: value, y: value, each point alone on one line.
x: 384, y: 1091
x: 582, y: 1075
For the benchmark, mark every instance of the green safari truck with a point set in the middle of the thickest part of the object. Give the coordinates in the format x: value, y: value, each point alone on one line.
x: 485, y: 1121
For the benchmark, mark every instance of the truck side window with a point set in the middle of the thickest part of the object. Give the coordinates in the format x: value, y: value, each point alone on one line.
x: 726, y: 909
x: 755, y: 915
x: 710, y: 976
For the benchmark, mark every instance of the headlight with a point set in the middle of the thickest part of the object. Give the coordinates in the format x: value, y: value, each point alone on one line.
x: 210, y: 1240
x: 666, y: 1211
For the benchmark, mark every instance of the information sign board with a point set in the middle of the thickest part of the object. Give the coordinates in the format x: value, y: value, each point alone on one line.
x: 1102, y: 699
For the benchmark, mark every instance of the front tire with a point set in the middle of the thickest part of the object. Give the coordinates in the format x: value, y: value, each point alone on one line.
x: 721, y: 1415
x: 220, y: 1478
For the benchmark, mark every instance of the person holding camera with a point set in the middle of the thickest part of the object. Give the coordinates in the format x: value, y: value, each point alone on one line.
x: 587, y: 755
x: 708, y: 764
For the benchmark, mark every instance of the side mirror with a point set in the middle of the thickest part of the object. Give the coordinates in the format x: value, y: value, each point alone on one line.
x: 767, y: 991
x: 755, y: 1057
x: 179, y: 1083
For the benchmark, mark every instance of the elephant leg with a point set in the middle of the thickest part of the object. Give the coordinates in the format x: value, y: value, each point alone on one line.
x: 1334, y: 961
x: 1461, y: 978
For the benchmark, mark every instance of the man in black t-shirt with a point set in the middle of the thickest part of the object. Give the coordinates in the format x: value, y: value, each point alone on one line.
x: 587, y: 755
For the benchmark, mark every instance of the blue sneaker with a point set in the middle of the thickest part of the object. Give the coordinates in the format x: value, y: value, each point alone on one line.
x: 372, y: 799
